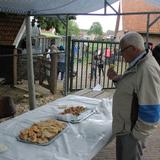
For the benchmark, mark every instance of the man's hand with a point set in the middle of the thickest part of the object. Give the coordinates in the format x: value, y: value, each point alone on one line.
x: 112, y: 75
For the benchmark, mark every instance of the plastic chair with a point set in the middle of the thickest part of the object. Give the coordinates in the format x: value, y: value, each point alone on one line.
x: 7, y: 107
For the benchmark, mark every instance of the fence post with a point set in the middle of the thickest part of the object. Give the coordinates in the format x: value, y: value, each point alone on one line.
x: 14, y: 67
x: 71, y: 61
x: 40, y: 64
x: 53, y: 73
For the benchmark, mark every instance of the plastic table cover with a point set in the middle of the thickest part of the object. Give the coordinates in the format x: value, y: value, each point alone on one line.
x: 80, y: 141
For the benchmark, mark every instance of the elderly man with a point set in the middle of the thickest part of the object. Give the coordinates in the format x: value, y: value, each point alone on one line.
x: 136, y: 102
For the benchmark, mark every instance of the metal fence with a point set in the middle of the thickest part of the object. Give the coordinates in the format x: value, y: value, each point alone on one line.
x: 89, y: 62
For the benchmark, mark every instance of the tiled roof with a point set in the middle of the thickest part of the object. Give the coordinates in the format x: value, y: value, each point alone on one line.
x: 139, y: 22
x: 9, y: 27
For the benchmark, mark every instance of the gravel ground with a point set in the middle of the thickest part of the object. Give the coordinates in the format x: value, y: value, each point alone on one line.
x: 20, y: 95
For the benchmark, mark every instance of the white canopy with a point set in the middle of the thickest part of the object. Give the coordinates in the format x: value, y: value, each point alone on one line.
x: 51, y: 6
x: 44, y: 7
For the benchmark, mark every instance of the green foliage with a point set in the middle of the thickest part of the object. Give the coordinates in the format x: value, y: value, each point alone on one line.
x: 50, y: 22
x: 53, y: 22
x: 96, y: 29
x: 73, y: 28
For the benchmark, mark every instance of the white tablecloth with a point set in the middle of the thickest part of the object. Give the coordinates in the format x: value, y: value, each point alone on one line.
x: 80, y: 141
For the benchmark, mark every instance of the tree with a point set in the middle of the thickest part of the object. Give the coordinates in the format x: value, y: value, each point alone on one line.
x: 48, y: 23
x: 96, y: 29
x: 53, y: 22
x: 73, y: 28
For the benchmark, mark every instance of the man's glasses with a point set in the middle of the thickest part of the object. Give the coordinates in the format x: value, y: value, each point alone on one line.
x: 120, y: 52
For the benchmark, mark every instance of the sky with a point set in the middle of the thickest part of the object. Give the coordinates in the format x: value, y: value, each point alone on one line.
x: 107, y: 22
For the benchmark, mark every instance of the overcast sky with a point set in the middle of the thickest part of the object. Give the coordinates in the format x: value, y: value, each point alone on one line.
x: 107, y: 22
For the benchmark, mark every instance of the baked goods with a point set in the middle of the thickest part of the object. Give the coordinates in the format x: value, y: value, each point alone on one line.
x: 74, y: 110
x: 42, y: 132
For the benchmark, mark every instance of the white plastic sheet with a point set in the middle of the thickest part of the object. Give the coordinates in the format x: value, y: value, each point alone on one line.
x: 80, y: 141
x: 56, y: 6
x: 51, y: 6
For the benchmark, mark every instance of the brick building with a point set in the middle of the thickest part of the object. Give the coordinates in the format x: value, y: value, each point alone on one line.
x: 139, y: 22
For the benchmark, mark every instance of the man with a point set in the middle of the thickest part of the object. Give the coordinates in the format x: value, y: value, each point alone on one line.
x: 136, y: 102
x: 54, y: 48
x: 61, y: 62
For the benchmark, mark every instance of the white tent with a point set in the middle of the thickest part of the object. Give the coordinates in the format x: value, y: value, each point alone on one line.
x: 44, y: 7
x: 51, y: 6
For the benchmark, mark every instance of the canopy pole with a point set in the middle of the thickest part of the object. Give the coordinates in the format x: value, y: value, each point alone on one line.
x: 117, y: 22
x: 147, y: 34
x: 108, y: 4
x: 105, y: 7
x: 66, y: 59
x: 30, y: 72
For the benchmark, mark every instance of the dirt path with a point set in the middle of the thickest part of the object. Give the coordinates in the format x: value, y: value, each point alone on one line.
x: 20, y: 95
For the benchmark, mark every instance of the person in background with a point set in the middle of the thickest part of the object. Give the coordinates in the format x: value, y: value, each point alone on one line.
x: 156, y: 53
x: 47, y: 65
x: 47, y: 53
x: 75, y: 50
x: 86, y: 50
x: 136, y: 101
x: 107, y: 55
x: 61, y: 62
x: 94, y: 64
x: 100, y: 64
x: 53, y: 48
x: 149, y: 46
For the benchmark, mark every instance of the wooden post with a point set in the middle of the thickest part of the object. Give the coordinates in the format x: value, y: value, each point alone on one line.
x: 53, y: 73
x: 117, y: 22
x: 31, y: 87
x: 15, y: 66
x: 66, y: 59
x: 40, y: 62
x: 147, y: 33
x: 69, y: 65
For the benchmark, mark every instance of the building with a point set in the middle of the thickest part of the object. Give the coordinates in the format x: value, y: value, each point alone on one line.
x: 138, y: 23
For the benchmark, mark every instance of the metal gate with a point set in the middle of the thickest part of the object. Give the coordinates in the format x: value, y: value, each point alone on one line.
x: 89, y: 62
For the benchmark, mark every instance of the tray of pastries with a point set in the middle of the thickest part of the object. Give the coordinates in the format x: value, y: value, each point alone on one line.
x: 74, y: 114
x: 43, y: 132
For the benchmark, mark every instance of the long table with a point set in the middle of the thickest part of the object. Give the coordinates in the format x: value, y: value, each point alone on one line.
x: 81, y: 141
